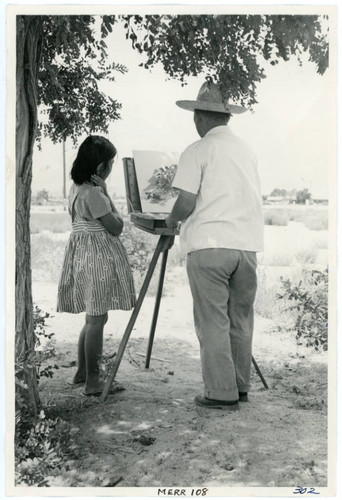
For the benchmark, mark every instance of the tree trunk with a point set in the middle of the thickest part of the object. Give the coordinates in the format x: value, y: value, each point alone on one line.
x: 28, y: 57
x: 64, y: 171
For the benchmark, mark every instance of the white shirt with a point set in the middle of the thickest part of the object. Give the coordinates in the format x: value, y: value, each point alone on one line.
x: 221, y: 169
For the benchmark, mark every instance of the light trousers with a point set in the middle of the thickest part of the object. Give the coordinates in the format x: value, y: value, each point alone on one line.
x: 223, y: 285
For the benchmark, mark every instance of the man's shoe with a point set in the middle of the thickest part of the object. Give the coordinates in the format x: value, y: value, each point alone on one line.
x: 243, y: 396
x: 215, y: 403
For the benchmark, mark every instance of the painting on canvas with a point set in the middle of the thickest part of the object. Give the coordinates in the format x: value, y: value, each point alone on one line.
x: 155, y: 171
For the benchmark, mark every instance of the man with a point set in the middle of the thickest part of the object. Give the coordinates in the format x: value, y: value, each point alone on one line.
x: 219, y: 204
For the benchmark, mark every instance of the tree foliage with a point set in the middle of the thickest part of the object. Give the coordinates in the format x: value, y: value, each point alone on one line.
x: 227, y: 48
x: 279, y: 192
x: 302, y: 196
x: 73, y: 64
x: 309, y: 306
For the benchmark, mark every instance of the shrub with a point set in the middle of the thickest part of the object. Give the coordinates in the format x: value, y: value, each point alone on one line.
x: 41, y: 447
x: 315, y: 219
x: 41, y: 444
x: 139, y: 246
x: 306, y: 256
x: 44, y: 344
x: 276, y: 218
x: 279, y: 259
x: 266, y: 304
x: 42, y: 197
x: 317, y: 224
x: 309, y: 299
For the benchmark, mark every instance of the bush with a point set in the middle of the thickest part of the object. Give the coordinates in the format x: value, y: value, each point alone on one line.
x: 266, y: 304
x: 42, y: 197
x: 44, y: 344
x: 309, y: 299
x: 139, y: 246
x: 41, y: 444
x: 314, y: 218
x: 275, y: 218
x: 317, y: 224
x: 306, y: 256
x: 41, y: 447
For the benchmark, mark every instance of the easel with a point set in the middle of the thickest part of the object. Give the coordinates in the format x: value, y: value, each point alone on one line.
x: 165, y: 242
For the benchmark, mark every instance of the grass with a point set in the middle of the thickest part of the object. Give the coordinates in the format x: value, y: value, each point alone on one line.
x: 46, y: 257
x: 306, y: 256
x: 279, y: 256
x: 276, y: 218
x: 266, y: 303
x: 56, y: 222
x: 322, y: 244
x: 281, y: 259
x: 313, y: 218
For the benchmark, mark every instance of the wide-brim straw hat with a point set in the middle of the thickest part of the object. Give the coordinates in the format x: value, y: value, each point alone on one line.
x: 210, y: 99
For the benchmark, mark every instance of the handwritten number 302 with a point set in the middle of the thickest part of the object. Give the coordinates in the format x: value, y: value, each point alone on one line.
x: 302, y: 491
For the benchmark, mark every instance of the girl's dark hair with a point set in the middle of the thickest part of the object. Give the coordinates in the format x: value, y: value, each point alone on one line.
x: 93, y: 151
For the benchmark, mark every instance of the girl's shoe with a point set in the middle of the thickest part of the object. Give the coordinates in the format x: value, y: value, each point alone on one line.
x: 116, y: 387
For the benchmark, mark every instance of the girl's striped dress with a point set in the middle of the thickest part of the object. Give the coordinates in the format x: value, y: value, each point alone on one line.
x: 96, y: 276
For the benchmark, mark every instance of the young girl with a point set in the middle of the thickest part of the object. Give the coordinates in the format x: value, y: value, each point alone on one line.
x: 96, y: 276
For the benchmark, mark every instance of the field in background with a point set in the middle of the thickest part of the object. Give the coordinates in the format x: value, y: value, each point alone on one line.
x: 315, y: 218
x: 296, y: 238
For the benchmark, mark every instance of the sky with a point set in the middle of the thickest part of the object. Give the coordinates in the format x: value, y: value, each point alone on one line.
x: 291, y: 128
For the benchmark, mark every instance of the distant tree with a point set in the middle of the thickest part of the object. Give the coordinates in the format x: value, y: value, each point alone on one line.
x: 42, y: 197
x: 227, y: 48
x: 279, y: 192
x: 302, y: 196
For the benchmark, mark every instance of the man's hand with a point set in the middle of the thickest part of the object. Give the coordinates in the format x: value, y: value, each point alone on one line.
x: 182, y: 208
x: 170, y: 222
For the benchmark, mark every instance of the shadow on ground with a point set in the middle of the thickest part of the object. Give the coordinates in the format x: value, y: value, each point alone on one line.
x: 152, y: 434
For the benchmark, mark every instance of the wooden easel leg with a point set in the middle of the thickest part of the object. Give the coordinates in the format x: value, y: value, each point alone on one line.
x: 259, y: 373
x: 156, y: 308
x: 132, y: 320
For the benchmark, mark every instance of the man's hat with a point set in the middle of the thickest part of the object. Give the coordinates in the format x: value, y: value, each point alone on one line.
x: 210, y: 99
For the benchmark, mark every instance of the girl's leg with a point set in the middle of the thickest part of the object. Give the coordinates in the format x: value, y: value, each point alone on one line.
x: 93, y: 351
x: 80, y: 375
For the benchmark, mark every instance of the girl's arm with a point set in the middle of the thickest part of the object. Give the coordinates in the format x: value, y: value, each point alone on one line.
x: 113, y: 221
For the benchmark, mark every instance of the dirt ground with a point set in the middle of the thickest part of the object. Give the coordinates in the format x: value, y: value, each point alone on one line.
x: 152, y: 434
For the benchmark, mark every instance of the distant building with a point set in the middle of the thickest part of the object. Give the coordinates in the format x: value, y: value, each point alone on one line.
x: 276, y: 200
x: 320, y: 197
x: 320, y: 201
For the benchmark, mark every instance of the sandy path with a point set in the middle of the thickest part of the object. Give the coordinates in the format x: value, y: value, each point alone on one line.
x: 152, y: 434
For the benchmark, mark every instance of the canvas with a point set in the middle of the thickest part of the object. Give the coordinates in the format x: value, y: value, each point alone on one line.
x: 155, y: 171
